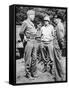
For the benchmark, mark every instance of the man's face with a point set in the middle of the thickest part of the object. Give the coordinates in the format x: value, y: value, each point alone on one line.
x: 39, y: 25
x: 56, y: 21
x: 46, y: 22
x: 32, y: 16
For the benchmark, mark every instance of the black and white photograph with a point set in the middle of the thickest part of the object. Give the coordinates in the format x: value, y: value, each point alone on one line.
x: 41, y: 44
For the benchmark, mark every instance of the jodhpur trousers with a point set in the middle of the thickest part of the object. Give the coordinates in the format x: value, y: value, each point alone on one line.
x: 56, y: 57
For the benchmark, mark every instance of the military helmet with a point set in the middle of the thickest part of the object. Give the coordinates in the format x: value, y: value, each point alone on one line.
x: 47, y: 18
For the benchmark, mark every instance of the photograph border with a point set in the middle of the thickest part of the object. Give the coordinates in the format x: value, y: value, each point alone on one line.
x: 15, y: 44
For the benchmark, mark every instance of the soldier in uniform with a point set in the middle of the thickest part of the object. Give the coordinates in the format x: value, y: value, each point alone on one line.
x: 29, y: 32
x: 48, y: 41
x: 60, y: 34
x: 60, y: 31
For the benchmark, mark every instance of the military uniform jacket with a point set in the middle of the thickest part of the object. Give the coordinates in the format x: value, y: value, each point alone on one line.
x: 28, y: 29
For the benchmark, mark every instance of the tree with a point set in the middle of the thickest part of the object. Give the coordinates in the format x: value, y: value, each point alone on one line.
x: 40, y: 12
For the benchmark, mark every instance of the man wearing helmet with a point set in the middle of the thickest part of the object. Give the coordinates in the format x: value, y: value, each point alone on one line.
x: 48, y: 41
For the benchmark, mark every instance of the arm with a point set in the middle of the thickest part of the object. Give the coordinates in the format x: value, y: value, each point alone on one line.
x: 53, y: 32
x: 22, y: 31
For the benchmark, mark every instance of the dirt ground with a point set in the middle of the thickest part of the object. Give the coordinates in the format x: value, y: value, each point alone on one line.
x: 43, y: 77
x: 20, y: 73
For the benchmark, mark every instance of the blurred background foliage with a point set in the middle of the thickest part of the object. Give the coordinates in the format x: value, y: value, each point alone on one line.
x: 40, y: 13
